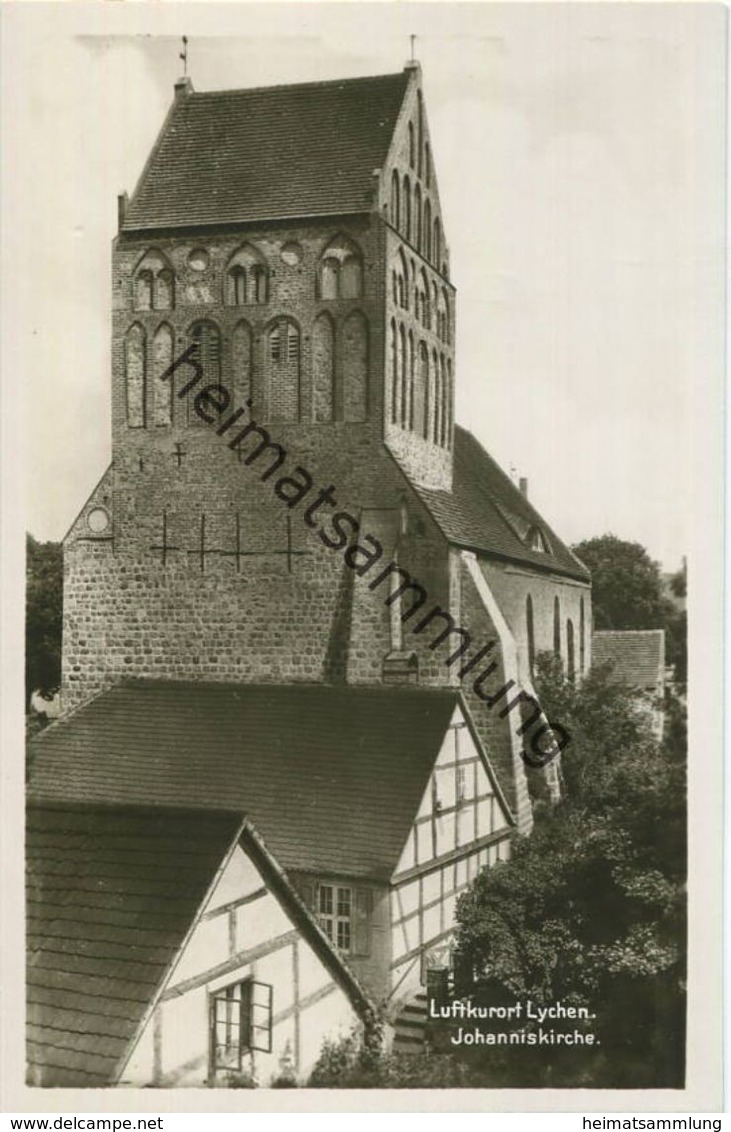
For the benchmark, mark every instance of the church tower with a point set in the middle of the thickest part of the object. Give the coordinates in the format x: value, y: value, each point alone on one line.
x: 287, y: 485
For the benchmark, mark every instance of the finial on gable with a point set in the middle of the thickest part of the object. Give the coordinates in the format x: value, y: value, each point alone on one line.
x: 412, y: 63
x: 184, y: 86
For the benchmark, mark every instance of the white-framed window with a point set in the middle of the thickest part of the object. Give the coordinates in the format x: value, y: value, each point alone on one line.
x: 240, y: 1021
x: 335, y: 910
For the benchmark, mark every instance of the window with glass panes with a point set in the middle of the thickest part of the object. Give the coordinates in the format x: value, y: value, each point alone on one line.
x: 335, y: 911
x: 241, y: 1021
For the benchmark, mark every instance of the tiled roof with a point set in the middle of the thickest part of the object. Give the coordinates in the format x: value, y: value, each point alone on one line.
x: 232, y: 156
x: 331, y: 777
x: 111, y: 895
x: 636, y: 656
x: 486, y: 512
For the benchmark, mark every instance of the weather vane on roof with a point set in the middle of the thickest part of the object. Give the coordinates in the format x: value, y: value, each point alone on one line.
x: 184, y: 55
x: 413, y: 41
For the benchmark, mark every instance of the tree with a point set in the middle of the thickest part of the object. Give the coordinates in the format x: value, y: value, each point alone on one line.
x: 43, y: 617
x: 591, y: 909
x: 627, y: 590
x: 628, y: 593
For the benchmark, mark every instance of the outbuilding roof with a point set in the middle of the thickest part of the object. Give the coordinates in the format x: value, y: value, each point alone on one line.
x: 636, y: 656
x: 330, y: 776
x: 233, y: 156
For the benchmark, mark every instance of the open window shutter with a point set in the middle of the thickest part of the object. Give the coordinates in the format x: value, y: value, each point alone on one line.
x: 261, y: 1017
x: 308, y: 891
x: 362, y: 917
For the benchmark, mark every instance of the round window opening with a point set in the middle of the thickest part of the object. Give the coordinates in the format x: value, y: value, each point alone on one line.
x: 291, y: 254
x: 98, y: 520
x: 199, y: 259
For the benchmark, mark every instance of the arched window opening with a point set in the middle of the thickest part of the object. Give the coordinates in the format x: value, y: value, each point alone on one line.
x: 445, y: 403
x: 447, y: 321
x: 165, y: 290
x: 340, y: 274
x: 144, y: 291
x: 135, y: 373
x: 427, y: 230
x: 246, y: 277
x: 395, y: 289
x: 241, y: 349
x: 417, y: 217
x: 329, y: 279
x: 450, y: 404
x: 530, y: 634
x: 412, y: 146
x: 284, y: 370
x: 570, y: 657
x: 556, y: 626
x: 395, y: 201
x: 403, y: 375
x: 438, y: 399
x: 395, y: 371
x: 437, y: 243
x: 406, y: 206
x: 162, y: 359
x: 425, y: 301
x: 409, y: 406
x: 404, y: 278
x: 427, y: 165
x: 582, y: 638
x: 154, y: 283
x: 208, y: 337
x: 424, y: 391
x: 323, y: 356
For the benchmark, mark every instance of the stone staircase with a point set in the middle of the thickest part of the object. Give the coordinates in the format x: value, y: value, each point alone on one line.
x: 410, y: 1026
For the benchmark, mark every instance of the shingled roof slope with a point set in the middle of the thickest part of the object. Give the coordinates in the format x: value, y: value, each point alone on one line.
x: 331, y: 777
x: 227, y: 157
x: 486, y: 512
x: 111, y: 895
x: 636, y: 656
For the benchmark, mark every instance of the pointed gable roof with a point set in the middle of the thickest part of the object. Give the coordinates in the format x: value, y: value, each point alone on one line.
x: 111, y: 895
x: 234, y: 156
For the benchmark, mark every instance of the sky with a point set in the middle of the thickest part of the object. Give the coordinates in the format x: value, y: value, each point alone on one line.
x: 578, y: 151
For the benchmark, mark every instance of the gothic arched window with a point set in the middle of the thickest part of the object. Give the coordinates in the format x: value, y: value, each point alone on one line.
x: 395, y: 201
x: 154, y: 283
x: 412, y: 146
x: 443, y: 439
x: 162, y: 359
x: 323, y: 368
x: 395, y: 371
x: 556, y: 626
x: 437, y: 244
x: 283, y: 370
x: 135, y: 374
x: 246, y: 277
x: 406, y: 207
x: 340, y: 274
x: 423, y: 392
x: 208, y: 337
x: 570, y: 657
x: 530, y: 633
x: 427, y: 229
x: 438, y: 398
x: 417, y: 217
x: 582, y: 640
x: 409, y: 394
x: 427, y: 164
x: 241, y: 351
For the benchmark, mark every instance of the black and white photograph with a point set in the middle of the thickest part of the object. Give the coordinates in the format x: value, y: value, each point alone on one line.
x: 363, y: 389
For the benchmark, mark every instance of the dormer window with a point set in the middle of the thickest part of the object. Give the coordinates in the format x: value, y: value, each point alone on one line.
x: 535, y: 540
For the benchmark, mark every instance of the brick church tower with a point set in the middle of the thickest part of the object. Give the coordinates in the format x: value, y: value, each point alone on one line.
x: 294, y: 236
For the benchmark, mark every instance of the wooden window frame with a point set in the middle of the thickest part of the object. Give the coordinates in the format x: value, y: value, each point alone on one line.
x: 247, y: 1022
